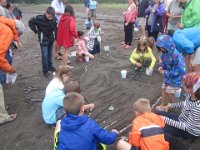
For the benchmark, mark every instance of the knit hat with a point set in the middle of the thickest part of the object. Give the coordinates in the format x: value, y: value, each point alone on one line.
x: 2, y: 12
x: 20, y: 26
x: 192, y: 80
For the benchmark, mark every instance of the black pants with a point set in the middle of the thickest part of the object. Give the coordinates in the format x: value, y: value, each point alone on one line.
x: 128, y: 33
x: 154, y: 34
x: 96, y: 48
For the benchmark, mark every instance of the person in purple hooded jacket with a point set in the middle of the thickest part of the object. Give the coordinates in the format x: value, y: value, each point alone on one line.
x: 155, y: 13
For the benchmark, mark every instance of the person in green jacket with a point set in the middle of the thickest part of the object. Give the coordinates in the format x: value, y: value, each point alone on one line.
x: 191, y: 14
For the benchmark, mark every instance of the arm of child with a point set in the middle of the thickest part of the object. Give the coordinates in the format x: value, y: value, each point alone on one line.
x: 133, y: 10
x: 153, y: 59
x: 56, y: 131
x: 83, y: 47
x: 176, y: 124
x: 134, y: 136
x: 131, y: 59
x: 72, y: 27
x: 32, y: 24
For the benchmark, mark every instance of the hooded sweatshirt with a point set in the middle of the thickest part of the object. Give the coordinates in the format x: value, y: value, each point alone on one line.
x: 173, y: 62
x: 80, y: 132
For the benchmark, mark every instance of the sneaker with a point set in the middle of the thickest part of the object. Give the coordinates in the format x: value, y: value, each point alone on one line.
x: 52, y: 69
x: 46, y: 75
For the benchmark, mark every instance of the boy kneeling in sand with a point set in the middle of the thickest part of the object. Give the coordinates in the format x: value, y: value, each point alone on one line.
x: 147, y: 129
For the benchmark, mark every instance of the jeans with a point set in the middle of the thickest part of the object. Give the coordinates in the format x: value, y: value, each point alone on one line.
x: 96, y: 48
x: 128, y: 33
x: 46, y: 51
x: 172, y: 130
x: 2, y: 74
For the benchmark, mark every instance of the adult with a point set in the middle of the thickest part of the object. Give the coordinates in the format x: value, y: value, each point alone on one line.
x: 187, y: 41
x: 165, y: 17
x: 143, y: 5
x: 174, y: 13
x: 59, y: 11
x: 191, y: 14
x: 155, y: 13
x: 87, y: 8
x: 129, y: 16
x: 9, y: 31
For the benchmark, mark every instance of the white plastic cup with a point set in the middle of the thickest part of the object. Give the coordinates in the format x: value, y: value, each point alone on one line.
x: 99, y: 39
x: 136, y: 29
x: 73, y: 54
x: 177, y: 94
x: 123, y: 74
x: 87, y: 59
x: 11, y: 78
x: 149, y: 72
x: 106, y: 48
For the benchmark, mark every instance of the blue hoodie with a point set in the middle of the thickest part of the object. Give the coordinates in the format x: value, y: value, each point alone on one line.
x: 82, y: 133
x: 187, y: 40
x: 173, y: 62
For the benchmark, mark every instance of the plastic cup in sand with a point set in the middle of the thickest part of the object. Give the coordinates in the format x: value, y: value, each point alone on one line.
x: 136, y: 29
x: 73, y: 54
x: 177, y: 94
x: 106, y: 48
x: 123, y: 74
x: 11, y: 78
x: 87, y: 59
x: 149, y: 72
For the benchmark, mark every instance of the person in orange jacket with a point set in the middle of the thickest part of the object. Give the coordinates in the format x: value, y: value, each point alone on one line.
x: 147, y: 129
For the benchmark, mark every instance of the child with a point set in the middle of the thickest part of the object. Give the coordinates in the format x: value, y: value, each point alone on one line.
x: 187, y: 123
x: 67, y: 31
x: 81, y: 49
x: 52, y: 105
x: 88, y: 24
x: 147, y: 129
x: 78, y: 128
x: 17, y: 13
x: 94, y: 35
x: 172, y: 67
x: 45, y: 26
x: 142, y: 56
x: 93, y: 6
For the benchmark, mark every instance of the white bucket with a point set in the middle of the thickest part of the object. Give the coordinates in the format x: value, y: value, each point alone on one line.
x: 149, y: 72
x: 87, y: 59
x: 123, y: 74
x: 106, y: 48
x: 178, y: 93
x: 11, y: 78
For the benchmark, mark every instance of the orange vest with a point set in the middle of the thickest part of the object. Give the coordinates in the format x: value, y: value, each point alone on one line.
x: 147, y: 132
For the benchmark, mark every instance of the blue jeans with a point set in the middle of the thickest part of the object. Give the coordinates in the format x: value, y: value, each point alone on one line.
x: 171, y: 130
x: 46, y: 51
x: 2, y: 74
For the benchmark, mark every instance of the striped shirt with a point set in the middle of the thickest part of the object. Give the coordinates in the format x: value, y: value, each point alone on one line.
x: 189, y: 119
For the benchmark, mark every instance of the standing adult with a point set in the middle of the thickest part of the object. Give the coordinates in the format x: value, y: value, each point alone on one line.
x: 191, y: 14
x: 87, y: 8
x: 129, y: 16
x: 155, y: 13
x: 143, y: 5
x: 59, y: 11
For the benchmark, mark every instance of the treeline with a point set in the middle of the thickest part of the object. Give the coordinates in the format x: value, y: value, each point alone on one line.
x: 71, y: 1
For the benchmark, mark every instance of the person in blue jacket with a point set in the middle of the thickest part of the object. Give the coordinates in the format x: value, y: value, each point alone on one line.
x: 172, y: 67
x: 188, y: 42
x: 78, y: 131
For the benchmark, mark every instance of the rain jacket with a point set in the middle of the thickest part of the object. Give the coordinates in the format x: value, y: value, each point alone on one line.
x: 191, y: 14
x: 82, y: 133
x: 147, y: 132
x: 8, y: 33
x: 66, y: 31
x: 173, y: 62
x: 187, y: 40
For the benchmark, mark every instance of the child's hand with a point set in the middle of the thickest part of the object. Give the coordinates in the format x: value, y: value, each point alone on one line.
x: 163, y: 108
x: 160, y: 69
x: 138, y: 64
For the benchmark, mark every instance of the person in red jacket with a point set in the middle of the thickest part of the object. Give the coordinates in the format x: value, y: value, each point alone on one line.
x: 67, y: 31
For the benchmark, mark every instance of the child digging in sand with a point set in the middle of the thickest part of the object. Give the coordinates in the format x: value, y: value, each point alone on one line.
x: 81, y: 49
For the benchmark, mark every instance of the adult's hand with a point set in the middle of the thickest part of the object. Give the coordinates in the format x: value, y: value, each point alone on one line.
x: 180, y: 26
x: 12, y: 71
x: 126, y: 24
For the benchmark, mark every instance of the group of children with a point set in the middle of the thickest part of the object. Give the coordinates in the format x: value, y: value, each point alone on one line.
x: 64, y: 33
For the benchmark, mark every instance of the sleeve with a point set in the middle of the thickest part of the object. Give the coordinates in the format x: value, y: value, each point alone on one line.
x: 176, y: 124
x: 177, y: 105
x: 153, y: 59
x: 147, y: 11
x: 134, y: 136
x: 53, y: 4
x: 132, y: 60
x: 176, y: 69
x: 72, y: 27
x: 102, y: 135
x: 59, y: 96
x: 32, y: 24
x: 91, y: 34
x: 160, y: 10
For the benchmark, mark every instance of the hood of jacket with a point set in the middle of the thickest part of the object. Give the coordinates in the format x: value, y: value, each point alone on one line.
x: 65, y: 17
x: 73, y: 122
x: 165, y: 41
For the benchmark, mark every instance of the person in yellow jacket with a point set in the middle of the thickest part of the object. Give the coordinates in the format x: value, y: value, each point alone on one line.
x: 142, y: 56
